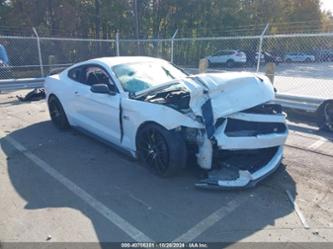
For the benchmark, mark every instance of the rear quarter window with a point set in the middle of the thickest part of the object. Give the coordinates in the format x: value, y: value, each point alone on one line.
x: 75, y: 74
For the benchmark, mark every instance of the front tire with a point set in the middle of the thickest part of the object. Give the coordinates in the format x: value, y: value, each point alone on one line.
x: 163, y: 152
x: 57, y: 113
x: 325, y: 116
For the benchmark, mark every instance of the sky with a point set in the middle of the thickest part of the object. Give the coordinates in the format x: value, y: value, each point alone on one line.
x: 327, y: 5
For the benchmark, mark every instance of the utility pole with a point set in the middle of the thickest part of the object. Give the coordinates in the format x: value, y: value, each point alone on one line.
x: 137, y: 25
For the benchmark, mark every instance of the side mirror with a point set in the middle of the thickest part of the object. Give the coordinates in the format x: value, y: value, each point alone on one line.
x: 101, y: 88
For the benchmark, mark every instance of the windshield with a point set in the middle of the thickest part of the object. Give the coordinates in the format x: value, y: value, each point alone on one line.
x: 135, y: 77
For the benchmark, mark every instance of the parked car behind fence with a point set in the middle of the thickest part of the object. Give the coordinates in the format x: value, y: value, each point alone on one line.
x: 299, y: 57
x: 230, y: 58
x: 323, y: 55
x: 265, y: 57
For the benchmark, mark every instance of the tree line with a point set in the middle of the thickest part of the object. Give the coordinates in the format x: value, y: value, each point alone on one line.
x: 143, y: 19
x: 160, y: 18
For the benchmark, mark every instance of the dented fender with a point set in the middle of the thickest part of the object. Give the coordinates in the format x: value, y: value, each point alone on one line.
x: 136, y: 113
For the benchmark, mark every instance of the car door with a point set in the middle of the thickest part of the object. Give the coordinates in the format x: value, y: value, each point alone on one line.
x: 293, y: 57
x: 215, y: 57
x: 300, y: 57
x: 225, y: 56
x: 219, y: 57
x: 97, y: 113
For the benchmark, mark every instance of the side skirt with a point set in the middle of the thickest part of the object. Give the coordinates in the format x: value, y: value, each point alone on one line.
x: 116, y: 147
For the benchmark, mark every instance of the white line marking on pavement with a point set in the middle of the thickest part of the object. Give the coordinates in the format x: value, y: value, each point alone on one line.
x: 121, y: 223
x: 298, y: 210
x: 209, y: 221
x: 317, y: 144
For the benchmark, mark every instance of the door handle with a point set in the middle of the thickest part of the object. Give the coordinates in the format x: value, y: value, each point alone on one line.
x: 76, y: 93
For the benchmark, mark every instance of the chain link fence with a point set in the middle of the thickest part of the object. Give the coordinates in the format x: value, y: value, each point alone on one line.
x: 65, y: 52
x: 304, y: 62
x: 155, y: 48
x: 20, y: 57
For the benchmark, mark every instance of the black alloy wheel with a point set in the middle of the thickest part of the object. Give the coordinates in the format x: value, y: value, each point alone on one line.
x: 57, y: 113
x: 325, y: 116
x: 162, y: 151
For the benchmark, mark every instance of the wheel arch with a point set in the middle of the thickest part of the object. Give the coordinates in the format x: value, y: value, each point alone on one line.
x: 53, y: 95
x: 177, y: 149
x: 142, y: 125
x: 320, y: 113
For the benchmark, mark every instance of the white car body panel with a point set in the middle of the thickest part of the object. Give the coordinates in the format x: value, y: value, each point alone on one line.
x: 162, y: 115
x: 246, y: 143
x: 228, y: 93
x: 250, y: 142
x: 245, y: 177
x: 89, y: 110
x: 117, y: 118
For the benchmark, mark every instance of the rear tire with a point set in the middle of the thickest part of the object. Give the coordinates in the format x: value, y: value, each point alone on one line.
x: 325, y: 116
x: 163, y: 152
x: 307, y: 60
x: 57, y: 113
x: 230, y: 63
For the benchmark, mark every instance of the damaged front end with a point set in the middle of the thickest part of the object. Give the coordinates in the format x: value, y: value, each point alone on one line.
x: 245, y: 148
x: 245, y: 143
x: 242, y: 138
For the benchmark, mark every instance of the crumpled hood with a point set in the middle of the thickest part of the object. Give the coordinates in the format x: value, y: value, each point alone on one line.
x: 229, y: 92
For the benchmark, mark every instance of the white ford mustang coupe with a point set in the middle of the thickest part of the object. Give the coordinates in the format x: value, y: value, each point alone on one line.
x: 163, y: 116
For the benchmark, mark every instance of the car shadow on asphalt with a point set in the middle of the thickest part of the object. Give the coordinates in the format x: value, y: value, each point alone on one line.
x: 161, y: 208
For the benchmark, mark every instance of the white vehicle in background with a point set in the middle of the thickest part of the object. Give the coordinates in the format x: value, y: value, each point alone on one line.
x: 161, y: 115
x: 299, y: 57
x: 230, y: 58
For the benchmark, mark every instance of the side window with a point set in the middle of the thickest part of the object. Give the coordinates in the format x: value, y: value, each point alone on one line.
x: 75, y: 74
x: 96, y: 75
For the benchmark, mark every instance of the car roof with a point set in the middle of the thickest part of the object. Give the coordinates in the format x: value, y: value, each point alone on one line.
x: 117, y: 60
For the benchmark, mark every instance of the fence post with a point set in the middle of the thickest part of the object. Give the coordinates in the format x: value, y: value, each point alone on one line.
x: 172, y: 42
x: 39, y: 52
x: 117, y: 44
x: 260, y: 46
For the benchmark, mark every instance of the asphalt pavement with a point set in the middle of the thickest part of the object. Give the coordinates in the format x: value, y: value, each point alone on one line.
x: 58, y: 186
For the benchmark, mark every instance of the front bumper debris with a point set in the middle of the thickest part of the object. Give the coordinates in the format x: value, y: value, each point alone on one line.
x: 229, y: 176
